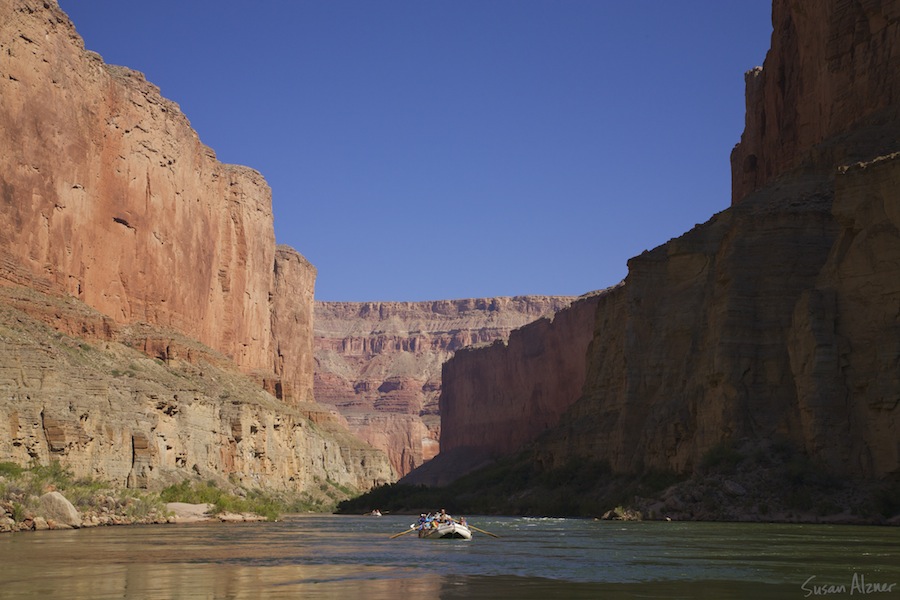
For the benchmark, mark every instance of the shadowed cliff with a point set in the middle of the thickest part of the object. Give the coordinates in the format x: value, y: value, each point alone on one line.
x: 770, y: 331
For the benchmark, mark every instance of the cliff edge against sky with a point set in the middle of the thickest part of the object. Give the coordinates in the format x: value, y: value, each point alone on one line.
x: 128, y: 232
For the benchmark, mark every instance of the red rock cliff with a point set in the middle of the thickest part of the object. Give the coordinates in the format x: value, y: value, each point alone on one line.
x: 109, y: 196
x: 831, y: 70
x: 292, y: 326
x: 137, y: 273
x: 695, y: 348
x: 379, y: 363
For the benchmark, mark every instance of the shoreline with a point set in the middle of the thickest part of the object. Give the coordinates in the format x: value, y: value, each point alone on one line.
x: 63, y: 516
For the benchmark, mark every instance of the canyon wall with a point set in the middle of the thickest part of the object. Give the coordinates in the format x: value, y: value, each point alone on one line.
x: 379, y: 363
x: 830, y: 70
x: 99, y: 405
x: 774, y: 322
x: 794, y: 336
x: 694, y: 349
x: 292, y: 326
x: 109, y: 196
x: 499, y: 397
x: 110, y: 203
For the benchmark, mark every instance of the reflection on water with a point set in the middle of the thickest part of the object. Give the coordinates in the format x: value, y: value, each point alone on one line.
x: 353, y: 557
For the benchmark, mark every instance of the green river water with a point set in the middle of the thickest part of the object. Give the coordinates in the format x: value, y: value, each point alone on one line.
x: 353, y: 557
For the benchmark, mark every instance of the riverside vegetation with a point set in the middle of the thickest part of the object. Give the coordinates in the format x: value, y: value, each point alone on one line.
x: 99, y: 503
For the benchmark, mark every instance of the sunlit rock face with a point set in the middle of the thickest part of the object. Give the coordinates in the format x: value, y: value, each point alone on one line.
x: 110, y: 202
x: 109, y: 196
x: 102, y: 407
x: 379, y: 363
x: 292, y: 326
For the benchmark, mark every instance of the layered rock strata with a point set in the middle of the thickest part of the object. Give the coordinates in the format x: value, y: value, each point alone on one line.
x: 776, y: 321
x: 131, y: 236
x: 665, y: 384
x: 109, y: 196
x: 379, y: 363
x: 105, y: 409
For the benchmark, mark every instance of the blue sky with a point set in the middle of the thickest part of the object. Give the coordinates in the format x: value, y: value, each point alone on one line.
x: 438, y: 149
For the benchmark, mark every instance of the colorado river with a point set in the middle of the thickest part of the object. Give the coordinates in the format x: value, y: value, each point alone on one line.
x: 353, y: 557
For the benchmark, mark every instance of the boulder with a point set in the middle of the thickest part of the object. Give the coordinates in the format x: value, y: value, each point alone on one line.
x: 7, y: 525
x: 54, y: 506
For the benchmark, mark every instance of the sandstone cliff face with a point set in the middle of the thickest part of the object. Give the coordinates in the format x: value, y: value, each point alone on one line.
x: 831, y: 70
x: 109, y: 196
x: 379, y: 363
x: 792, y: 330
x: 775, y: 321
x: 845, y: 344
x: 109, y: 201
x: 292, y: 326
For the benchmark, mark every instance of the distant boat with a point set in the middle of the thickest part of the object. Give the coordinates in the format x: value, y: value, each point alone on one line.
x: 374, y: 513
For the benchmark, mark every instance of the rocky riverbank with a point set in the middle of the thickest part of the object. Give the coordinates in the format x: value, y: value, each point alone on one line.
x: 49, y: 498
x: 55, y: 512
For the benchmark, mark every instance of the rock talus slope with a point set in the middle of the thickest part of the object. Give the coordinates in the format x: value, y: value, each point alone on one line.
x: 104, y: 408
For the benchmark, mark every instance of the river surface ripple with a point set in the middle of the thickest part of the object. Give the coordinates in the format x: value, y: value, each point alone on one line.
x: 347, y: 557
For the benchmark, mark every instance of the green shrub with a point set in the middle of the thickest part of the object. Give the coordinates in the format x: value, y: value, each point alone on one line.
x: 53, y: 474
x: 10, y: 469
x: 18, y: 512
x: 192, y: 493
x: 140, y: 506
x: 265, y: 504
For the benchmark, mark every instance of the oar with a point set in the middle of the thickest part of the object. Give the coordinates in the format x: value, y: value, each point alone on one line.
x: 483, y: 531
x: 396, y: 535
